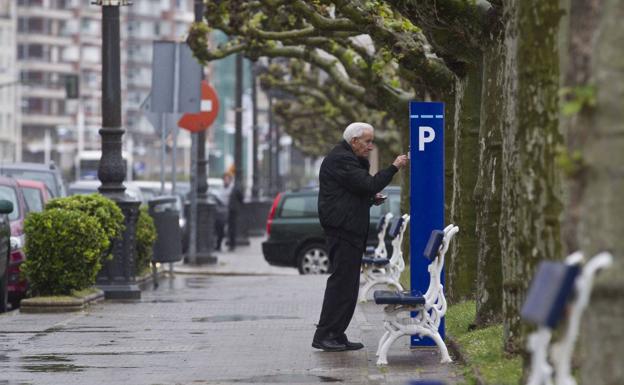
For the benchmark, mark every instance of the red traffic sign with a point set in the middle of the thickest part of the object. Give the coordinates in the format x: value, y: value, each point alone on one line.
x: 208, y: 111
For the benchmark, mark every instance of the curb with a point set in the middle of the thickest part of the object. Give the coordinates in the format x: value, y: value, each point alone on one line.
x: 457, y: 351
x: 226, y: 273
x: 60, y: 304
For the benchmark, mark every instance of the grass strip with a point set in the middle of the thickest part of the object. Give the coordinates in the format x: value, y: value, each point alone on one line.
x: 482, y: 349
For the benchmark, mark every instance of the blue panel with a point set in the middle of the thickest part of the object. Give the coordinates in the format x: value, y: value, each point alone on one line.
x: 549, y: 293
x: 427, y: 190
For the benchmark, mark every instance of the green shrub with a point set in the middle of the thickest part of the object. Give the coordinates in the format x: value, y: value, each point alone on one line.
x: 145, y: 237
x: 104, y: 210
x: 64, y: 249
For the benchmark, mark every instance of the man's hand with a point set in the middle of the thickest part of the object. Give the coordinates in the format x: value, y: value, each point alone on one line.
x: 400, y: 161
x: 379, y: 199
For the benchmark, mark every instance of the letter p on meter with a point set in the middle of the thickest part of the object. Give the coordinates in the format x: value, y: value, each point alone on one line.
x: 425, y: 135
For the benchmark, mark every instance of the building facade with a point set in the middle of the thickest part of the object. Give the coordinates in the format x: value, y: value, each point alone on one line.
x: 59, y: 39
x: 10, y: 129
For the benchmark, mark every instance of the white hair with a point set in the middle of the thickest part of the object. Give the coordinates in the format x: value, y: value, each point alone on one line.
x: 355, y: 130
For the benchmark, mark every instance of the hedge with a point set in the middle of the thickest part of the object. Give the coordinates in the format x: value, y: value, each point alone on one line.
x: 145, y: 238
x: 64, y: 249
x: 106, y: 212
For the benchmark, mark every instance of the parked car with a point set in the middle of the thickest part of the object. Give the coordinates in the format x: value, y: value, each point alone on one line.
x: 17, y: 286
x: 6, y: 208
x: 35, y: 193
x: 91, y: 186
x: 48, y: 174
x: 295, y: 236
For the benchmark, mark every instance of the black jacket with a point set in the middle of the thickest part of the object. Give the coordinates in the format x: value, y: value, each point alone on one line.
x: 346, y: 193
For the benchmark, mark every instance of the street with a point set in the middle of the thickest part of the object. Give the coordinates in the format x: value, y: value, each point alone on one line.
x: 206, y: 329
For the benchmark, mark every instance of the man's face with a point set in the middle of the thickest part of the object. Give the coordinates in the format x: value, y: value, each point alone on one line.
x: 363, y: 144
x: 227, y: 180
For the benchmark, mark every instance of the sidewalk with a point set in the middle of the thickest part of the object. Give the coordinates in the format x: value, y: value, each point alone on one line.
x: 206, y: 329
x: 244, y: 260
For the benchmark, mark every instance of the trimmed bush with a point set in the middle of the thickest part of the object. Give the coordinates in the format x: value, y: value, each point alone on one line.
x: 64, y: 249
x: 104, y: 210
x: 145, y: 238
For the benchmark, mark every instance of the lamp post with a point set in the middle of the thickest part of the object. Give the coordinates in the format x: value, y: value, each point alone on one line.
x: 117, y: 277
x: 204, y: 238
x: 241, y: 223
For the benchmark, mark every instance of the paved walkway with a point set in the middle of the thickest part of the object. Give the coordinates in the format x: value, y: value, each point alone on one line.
x: 205, y: 329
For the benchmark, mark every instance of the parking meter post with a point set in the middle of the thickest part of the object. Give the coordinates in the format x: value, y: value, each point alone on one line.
x: 191, y: 258
x: 206, y: 213
x: 258, y: 210
x: 163, y: 151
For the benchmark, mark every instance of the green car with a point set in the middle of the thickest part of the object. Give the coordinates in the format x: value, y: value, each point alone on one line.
x: 295, y: 236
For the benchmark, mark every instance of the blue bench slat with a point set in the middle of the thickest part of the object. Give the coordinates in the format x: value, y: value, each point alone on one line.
x: 375, y: 261
x: 380, y: 223
x: 433, y: 245
x: 550, y: 291
x: 426, y: 382
x: 395, y: 227
x: 370, y: 252
x: 387, y: 297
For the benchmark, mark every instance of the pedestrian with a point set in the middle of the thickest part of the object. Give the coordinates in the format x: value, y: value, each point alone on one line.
x: 235, y: 206
x: 347, y: 191
x: 223, y: 200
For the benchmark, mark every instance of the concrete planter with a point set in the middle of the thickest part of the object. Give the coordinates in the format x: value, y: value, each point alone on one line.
x: 60, y: 304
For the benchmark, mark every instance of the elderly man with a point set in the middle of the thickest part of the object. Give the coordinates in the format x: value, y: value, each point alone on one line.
x: 346, y: 193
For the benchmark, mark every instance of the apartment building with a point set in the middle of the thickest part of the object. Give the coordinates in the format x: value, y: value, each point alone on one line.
x: 142, y: 23
x: 58, y: 38
x: 10, y: 138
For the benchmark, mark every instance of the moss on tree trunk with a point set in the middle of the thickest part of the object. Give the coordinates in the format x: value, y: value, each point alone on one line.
x: 462, y: 260
x: 531, y: 207
x: 601, y: 204
x: 487, y: 192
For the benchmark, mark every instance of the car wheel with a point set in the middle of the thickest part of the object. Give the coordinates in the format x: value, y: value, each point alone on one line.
x: 313, y: 259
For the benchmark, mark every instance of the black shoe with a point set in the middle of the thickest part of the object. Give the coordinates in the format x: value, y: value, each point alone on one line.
x: 329, y: 345
x: 350, y: 345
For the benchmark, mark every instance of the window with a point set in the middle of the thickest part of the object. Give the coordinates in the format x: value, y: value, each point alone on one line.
x: 34, y: 200
x: 302, y: 206
x: 42, y: 176
x: 8, y: 193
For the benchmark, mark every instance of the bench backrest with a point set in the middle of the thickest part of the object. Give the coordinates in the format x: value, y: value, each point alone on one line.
x: 550, y: 291
x: 395, y: 227
x: 380, y: 223
x: 433, y: 245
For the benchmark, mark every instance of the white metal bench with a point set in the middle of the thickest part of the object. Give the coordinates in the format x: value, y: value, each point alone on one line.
x: 380, y: 250
x: 556, y: 286
x: 429, y: 308
x: 385, y: 271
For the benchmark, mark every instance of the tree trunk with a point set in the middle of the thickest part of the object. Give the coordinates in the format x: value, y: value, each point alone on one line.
x: 487, y: 192
x: 578, y: 36
x: 462, y: 260
x: 529, y: 227
x: 601, y: 204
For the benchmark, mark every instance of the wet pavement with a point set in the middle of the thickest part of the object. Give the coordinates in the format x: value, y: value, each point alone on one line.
x: 205, y: 329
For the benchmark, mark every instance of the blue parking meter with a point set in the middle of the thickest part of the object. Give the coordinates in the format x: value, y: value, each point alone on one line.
x: 427, y: 191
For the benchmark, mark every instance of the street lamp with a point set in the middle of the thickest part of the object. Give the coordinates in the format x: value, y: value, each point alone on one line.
x: 117, y: 277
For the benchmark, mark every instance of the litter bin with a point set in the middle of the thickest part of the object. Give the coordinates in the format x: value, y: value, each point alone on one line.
x: 168, y: 245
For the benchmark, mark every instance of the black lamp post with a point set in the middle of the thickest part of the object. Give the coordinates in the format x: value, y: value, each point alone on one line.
x: 205, y: 210
x: 117, y: 277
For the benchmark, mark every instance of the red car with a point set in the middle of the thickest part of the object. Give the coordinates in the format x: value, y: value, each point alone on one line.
x: 10, y: 191
x: 35, y: 193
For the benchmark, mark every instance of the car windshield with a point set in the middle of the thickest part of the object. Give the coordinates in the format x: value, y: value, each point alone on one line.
x: 41, y: 176
x: 9, y: 193
x: 33, y: 197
